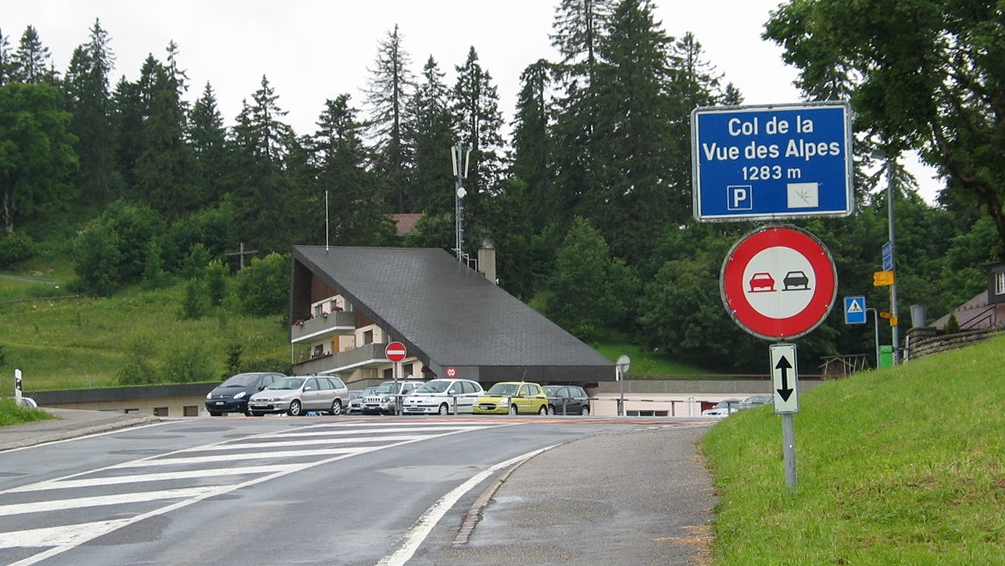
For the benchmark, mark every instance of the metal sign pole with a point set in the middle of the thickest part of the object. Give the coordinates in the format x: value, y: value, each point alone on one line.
x: 789, y: 449
x: 17, y: 386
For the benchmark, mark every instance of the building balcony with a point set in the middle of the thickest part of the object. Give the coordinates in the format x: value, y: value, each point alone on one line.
x: 319, y: 327
x: 367, y: 355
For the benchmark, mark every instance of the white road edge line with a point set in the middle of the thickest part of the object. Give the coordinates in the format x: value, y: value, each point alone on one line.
x: 421, y: 529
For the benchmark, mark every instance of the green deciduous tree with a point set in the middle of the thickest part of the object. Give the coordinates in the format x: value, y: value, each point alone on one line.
x: 264, y: 285
x: 921, y: 74
x: 36, y: 155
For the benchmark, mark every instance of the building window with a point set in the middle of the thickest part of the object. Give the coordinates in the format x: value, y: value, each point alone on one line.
x: 161, y: 411
x: 190, y: 410
x: 368, y: 337
x: 319, y: 350
x: 406, y: 370
x: 1000, y: 283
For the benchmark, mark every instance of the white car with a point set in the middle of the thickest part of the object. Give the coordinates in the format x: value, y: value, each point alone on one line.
x: 442, y: 397
x: 298, y: 395
x: 722, y: 408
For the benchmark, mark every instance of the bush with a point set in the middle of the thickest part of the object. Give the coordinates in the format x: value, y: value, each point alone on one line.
x: 264, y: 285
x: 14, y: 249
x: 188, y: 361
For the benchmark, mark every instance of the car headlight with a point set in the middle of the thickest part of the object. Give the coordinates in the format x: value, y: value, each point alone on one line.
x: 209, y: 395
x: 504, y: 401
x: 240, y: 395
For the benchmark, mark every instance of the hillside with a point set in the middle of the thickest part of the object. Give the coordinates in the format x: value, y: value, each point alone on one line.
x: 81, y: 342
x: 900, y: 466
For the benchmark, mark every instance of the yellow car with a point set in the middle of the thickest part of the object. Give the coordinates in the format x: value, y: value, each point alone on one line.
x: 512, y: 397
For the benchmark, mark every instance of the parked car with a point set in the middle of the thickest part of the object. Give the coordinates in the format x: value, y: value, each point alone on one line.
x: 755, y: 400
x: 441, y: 396
x: 298, y: 395
x: 722, y: 408
x: 567, y: 400
x: 232, y: 395
x: 355, y: 406
x: 512, y: 397
x: 381, y: 401
x: 26, y: 402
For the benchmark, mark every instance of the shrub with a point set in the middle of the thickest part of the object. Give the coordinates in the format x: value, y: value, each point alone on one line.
x: 15, y: 248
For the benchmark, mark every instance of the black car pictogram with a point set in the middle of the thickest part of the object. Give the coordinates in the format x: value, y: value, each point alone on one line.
x: 794, y: 279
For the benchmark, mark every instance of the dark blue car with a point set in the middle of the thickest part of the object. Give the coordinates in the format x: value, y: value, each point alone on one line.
x: 232, y: 395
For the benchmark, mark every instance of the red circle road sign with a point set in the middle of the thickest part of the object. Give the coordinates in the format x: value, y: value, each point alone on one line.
x: 451, y: 372
x: 395, y: 351
x: 778, y: 282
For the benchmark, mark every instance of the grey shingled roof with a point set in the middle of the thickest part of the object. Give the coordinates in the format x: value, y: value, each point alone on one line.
x: 449, y: 315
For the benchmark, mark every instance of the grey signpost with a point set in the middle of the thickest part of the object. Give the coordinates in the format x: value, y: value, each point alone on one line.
x: 624, y: 362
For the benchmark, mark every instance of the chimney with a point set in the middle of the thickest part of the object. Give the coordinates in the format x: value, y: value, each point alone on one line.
x: 487, y: 260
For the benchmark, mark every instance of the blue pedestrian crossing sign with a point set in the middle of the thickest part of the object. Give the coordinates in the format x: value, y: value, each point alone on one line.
x: 854, y: 310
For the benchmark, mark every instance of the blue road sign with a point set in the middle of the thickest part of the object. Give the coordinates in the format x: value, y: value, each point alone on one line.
x: 887, y: 256
x: 772, y: 162
x: 854, y: 310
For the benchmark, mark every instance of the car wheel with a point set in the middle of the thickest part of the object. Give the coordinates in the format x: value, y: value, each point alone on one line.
x: 336, y: 407
x: 551, y: 410
x: 215, y: 414
x: 444, y: 409
x: 543, y: 410
x: 296, y: 409
x: 512, y: 409
x: 586, y: 411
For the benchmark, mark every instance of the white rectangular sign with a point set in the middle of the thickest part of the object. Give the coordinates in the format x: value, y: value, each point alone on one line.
x: 784, y: 378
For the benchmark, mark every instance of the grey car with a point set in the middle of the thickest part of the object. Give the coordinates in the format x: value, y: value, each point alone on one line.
x: 298, y: 395
x: 442, y: 397
x: 567, y: 400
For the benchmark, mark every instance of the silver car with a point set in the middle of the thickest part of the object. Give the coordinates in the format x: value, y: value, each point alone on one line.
x: 382, y: 400
x: 442, y: 397
x: 298, y: 395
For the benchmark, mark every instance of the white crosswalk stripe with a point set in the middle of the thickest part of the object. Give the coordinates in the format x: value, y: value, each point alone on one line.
x: 156, y: 484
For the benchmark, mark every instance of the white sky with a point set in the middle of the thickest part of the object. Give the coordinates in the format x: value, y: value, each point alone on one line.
x: 314, y: 50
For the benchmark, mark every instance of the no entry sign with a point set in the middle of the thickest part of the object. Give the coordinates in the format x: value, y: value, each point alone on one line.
x: 778, y: 282
x: 395, y: 352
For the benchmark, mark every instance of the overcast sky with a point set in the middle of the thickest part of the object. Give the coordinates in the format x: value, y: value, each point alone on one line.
x: 314, y: 50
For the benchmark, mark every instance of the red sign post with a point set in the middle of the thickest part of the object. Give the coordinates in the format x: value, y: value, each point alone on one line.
x: 778, y: 282
x: 395, y: 352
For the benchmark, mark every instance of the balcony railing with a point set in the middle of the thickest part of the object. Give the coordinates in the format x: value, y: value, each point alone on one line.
x: 338, y: 322
x: 344, y: 361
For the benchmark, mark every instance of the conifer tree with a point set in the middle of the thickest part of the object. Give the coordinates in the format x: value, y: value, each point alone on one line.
x: 32, y: 63
x: 475, y: 103
x: 6, y: 61
x: 429, y: 132
x: 86, y: 91
x: 207, y: 137
x: 391, y: 85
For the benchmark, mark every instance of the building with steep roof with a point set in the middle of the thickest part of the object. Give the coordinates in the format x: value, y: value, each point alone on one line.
x: 348, y: 303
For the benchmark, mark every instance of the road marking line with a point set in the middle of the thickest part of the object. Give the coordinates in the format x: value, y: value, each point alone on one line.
x: 421, y: 529
x: 181, y: 475
x: 81, y: 502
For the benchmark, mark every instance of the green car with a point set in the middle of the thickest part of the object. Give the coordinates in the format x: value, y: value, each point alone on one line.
x: 511, y: 398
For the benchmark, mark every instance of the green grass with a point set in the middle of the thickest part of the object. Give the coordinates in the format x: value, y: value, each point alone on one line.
x: 79, y: 343
x: 11, y: 414
x: 899, y: 466
x: 646, y: 364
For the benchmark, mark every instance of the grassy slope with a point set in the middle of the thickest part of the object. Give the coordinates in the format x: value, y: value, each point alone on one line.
x: 901, y: 466
x: 81, y: 343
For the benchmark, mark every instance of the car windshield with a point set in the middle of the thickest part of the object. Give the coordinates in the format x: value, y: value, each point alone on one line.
x: 503, y: 389
x: 551, y: 390
x: 240, y: 380
x: 288, y: 383
x: 387, y: 387
x: 434, y: 386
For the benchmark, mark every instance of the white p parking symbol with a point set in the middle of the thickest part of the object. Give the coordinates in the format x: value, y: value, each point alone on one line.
x: 739, y: 197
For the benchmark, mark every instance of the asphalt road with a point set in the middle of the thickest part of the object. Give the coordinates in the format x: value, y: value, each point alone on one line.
x: 360, y: 491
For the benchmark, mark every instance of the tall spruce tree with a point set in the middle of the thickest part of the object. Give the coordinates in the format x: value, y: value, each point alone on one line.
x: 166, y: 169
x: 391, y: 85
x: 341, y: 159
x: 264, y: 201
x: 475, y: 104
x: 32, y: 63
x: 429, y: 132
x: 86, y: 91
x: 630, y: 201
x: 6, y: 60
x: 207, y: 136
